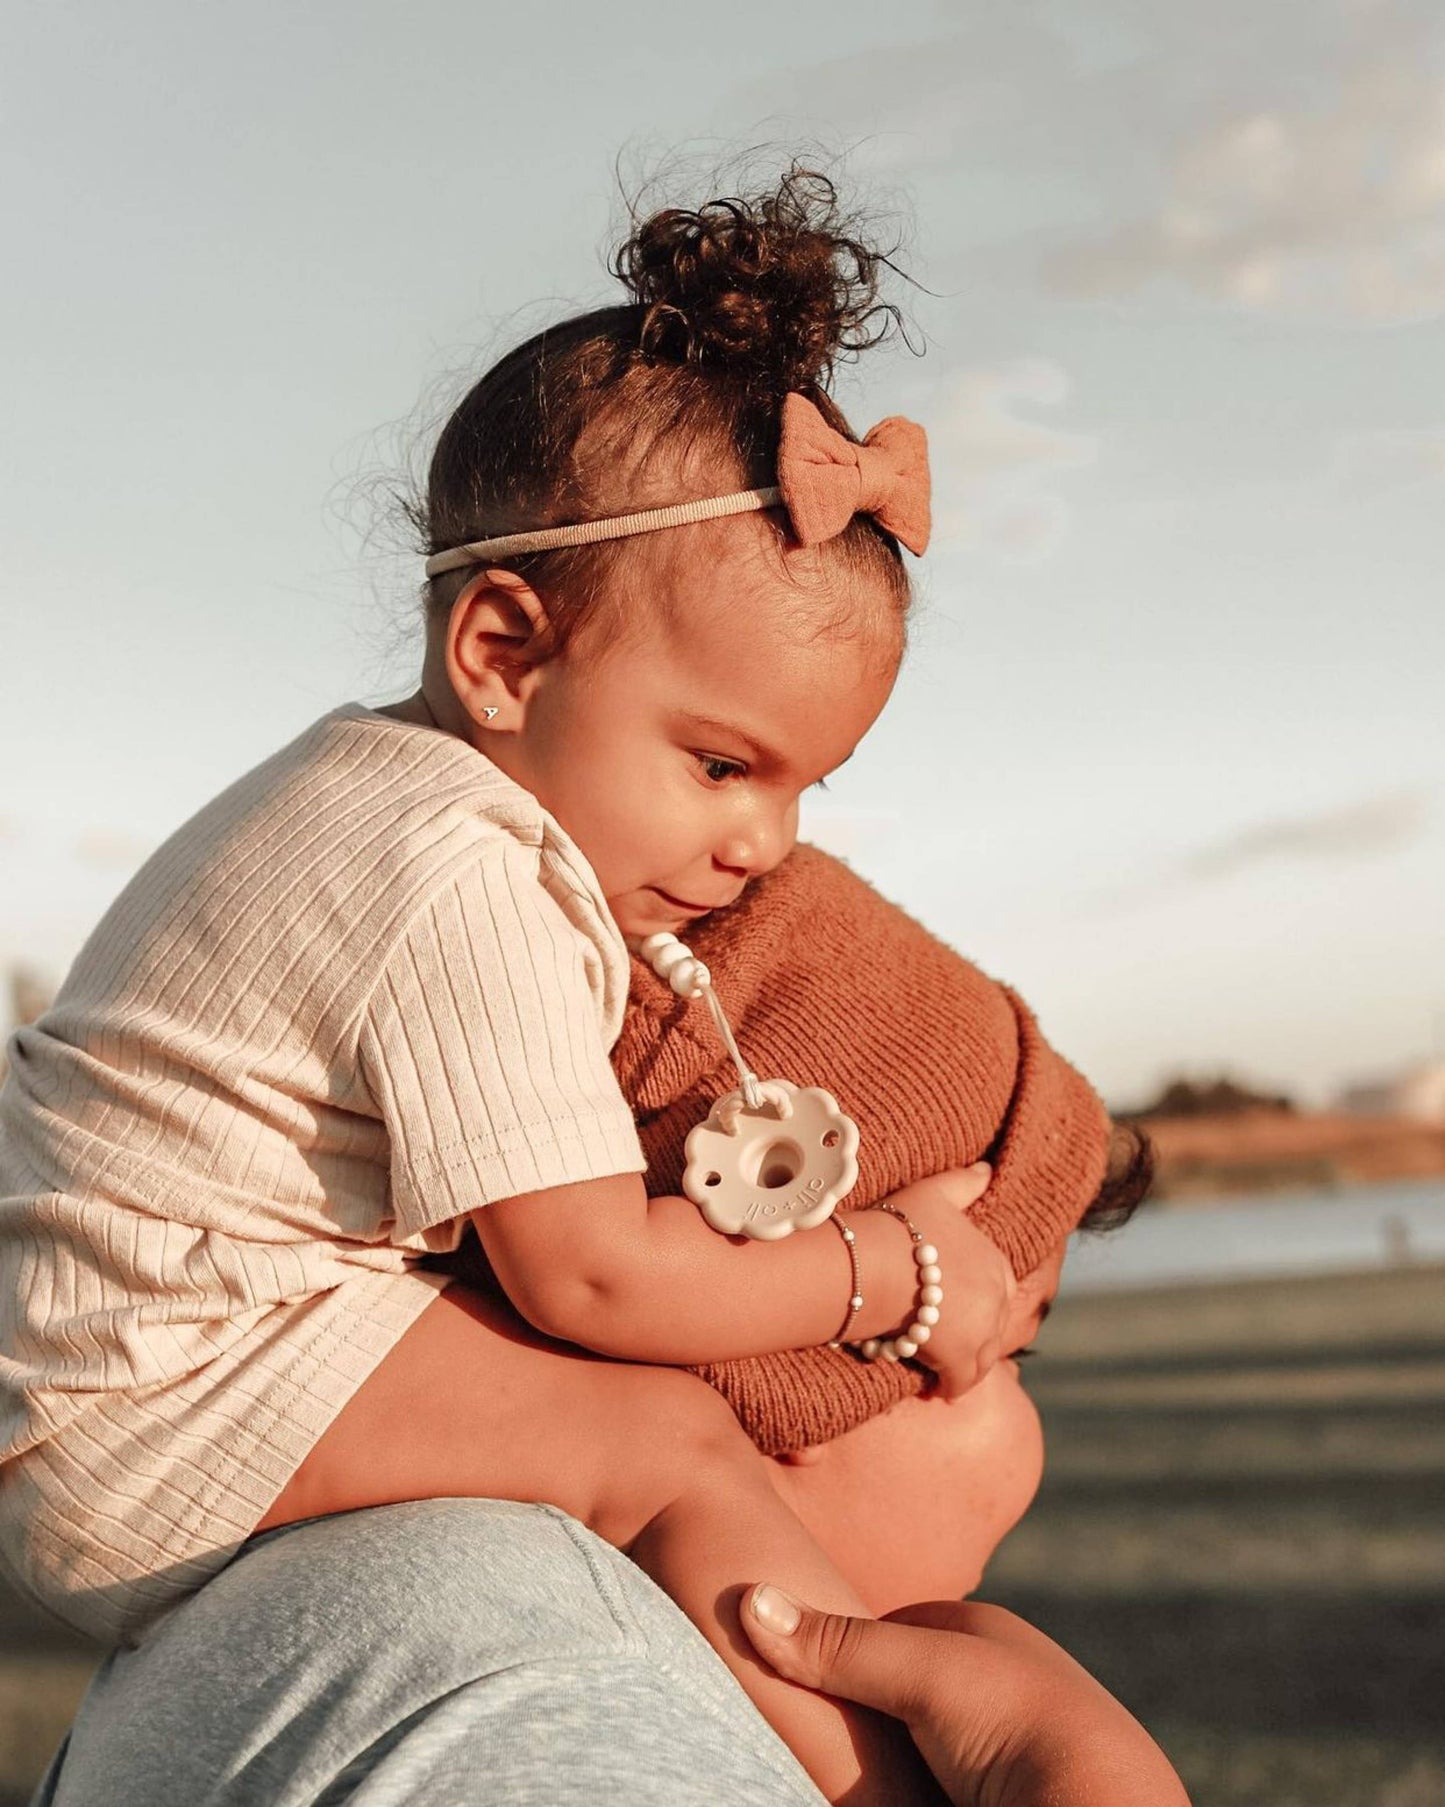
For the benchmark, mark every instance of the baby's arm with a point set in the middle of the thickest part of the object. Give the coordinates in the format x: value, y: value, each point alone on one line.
x: 481, y: 1056
x: 602, y: 1265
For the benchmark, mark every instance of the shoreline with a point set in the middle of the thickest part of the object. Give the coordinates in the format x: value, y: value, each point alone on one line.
x: 1265, y: 1149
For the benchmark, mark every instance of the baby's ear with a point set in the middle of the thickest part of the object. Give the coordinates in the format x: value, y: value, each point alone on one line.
x: 497, y: 633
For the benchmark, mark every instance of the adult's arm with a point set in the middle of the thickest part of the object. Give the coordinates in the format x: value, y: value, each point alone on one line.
x: 442, y: 1653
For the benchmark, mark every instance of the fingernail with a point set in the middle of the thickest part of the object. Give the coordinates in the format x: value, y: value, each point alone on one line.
x: 980, y: 1168
x: 773, y: 1608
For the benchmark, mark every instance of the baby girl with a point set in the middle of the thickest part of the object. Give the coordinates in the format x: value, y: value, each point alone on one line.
x: 366, y: 997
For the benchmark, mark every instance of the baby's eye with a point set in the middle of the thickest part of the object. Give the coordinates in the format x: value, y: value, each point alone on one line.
x: 710, y: 763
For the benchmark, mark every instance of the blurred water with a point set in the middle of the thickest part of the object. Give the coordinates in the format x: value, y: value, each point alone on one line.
x: 1388, y: 1225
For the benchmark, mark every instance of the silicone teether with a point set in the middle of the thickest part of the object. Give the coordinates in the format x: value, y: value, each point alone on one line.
x: 767, y: 1171
x: 770, y: 1157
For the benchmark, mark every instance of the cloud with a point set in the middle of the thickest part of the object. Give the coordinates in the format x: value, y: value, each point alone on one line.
x: 1355, y: 831
x: 1388, y: 459
x: 908, y: 106
x: 1333, y: 210
x: 1359, y: 830
x: 992, y: 463
x: 110, y: 849
x: 97, y: 848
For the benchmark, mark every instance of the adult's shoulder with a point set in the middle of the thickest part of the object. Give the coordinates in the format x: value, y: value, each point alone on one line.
x: 442, y: 1651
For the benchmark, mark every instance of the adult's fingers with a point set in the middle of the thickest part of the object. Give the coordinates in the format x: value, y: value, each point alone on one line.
x: 1106, y: 1756
x: 894, y: 1665
x: 947, y: 1691
x: 1001, y: 1715
x: 871, y: 1661
x: 980, y: 1619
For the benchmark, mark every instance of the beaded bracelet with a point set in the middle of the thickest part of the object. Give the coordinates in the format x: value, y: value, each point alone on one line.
x: 930, y: 1297
x: 855, y: 1291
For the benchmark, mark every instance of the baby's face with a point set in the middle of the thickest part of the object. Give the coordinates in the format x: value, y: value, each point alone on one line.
x: 641, y: 748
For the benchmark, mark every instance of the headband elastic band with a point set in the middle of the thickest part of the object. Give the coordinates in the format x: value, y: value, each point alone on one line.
x: 617, y: 527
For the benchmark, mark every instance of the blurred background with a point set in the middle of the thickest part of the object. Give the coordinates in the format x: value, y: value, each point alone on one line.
x: 1168, y: 753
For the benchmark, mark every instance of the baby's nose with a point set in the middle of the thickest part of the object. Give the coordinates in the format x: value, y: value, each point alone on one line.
x: 762, y: 841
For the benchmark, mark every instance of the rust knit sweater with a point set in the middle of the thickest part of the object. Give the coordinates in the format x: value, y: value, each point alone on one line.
x: 827, y: 983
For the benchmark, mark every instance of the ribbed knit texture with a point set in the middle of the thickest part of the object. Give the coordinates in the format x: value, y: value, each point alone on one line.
x: 827, y: 983
x: 369, y: 988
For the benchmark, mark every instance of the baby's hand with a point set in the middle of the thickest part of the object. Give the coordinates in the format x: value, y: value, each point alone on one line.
x: 978, y: 1284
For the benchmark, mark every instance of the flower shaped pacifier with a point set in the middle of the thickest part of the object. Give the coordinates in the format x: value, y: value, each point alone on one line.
x: 770, y: 1157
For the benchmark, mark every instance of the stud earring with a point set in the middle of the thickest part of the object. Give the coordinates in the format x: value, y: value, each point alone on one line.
x: 489, y: 713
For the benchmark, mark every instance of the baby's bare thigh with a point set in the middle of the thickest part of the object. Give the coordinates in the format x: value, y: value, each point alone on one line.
x: 474, y: 1403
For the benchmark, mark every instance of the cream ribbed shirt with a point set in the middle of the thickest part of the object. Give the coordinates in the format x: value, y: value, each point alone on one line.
x: 369, y: 988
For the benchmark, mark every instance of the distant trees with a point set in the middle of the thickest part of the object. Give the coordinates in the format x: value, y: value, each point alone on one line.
x: 1220, y: 1097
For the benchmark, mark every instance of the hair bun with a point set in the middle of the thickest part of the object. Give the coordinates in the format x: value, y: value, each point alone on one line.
x: 771, y: 289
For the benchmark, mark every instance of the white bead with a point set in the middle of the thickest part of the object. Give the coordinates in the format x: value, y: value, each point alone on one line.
x: 931, y: 1295
x: 920, y: 1332
x: 931, y: 1274
x: 925, y: 1254
x: 856, y: 1302
x: 890, y: 1352
x: 654, y: 944
x: 870, y: 1348
x: 928, y: 1314
x: 667, y: 957
x: 688, y: 977
x: 905, y: 1347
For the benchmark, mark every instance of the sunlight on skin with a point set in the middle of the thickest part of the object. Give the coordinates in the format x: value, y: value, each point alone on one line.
x: 607, y: 735
x: 960, y: 1474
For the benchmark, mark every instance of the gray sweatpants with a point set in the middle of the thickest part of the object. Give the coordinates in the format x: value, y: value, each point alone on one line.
x: 440, y: 1653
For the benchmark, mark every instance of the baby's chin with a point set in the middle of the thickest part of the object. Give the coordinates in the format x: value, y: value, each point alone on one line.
x: 639, y: 914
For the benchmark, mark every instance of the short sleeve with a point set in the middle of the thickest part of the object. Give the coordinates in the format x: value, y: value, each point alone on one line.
x: 484, y: 1050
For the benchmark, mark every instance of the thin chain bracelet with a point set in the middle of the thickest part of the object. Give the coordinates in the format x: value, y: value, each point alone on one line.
x: 855, y: 1293
x: 930, y: 1297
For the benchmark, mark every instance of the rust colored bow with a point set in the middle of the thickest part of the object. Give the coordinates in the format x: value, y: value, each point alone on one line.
x: 825, y: 479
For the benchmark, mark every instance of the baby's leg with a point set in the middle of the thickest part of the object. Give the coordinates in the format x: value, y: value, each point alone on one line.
x: 912, y: 1504
x: 470, y: 1402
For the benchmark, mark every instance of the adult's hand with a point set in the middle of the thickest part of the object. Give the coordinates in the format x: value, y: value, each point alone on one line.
x: 1002, y: 1715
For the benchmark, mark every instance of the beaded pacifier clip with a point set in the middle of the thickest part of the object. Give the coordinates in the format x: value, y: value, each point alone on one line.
x: 770, y: 1157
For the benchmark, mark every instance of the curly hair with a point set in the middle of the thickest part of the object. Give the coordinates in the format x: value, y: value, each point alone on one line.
x: 672, y: 395
x: 1126, y: 1183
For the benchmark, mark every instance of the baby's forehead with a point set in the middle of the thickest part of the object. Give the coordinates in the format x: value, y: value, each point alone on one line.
x: 741, y: 582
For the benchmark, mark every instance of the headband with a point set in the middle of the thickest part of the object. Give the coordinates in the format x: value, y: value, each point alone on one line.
x: 824, y: 480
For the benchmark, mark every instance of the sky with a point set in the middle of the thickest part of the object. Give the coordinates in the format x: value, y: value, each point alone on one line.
x: 1169, y: 750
